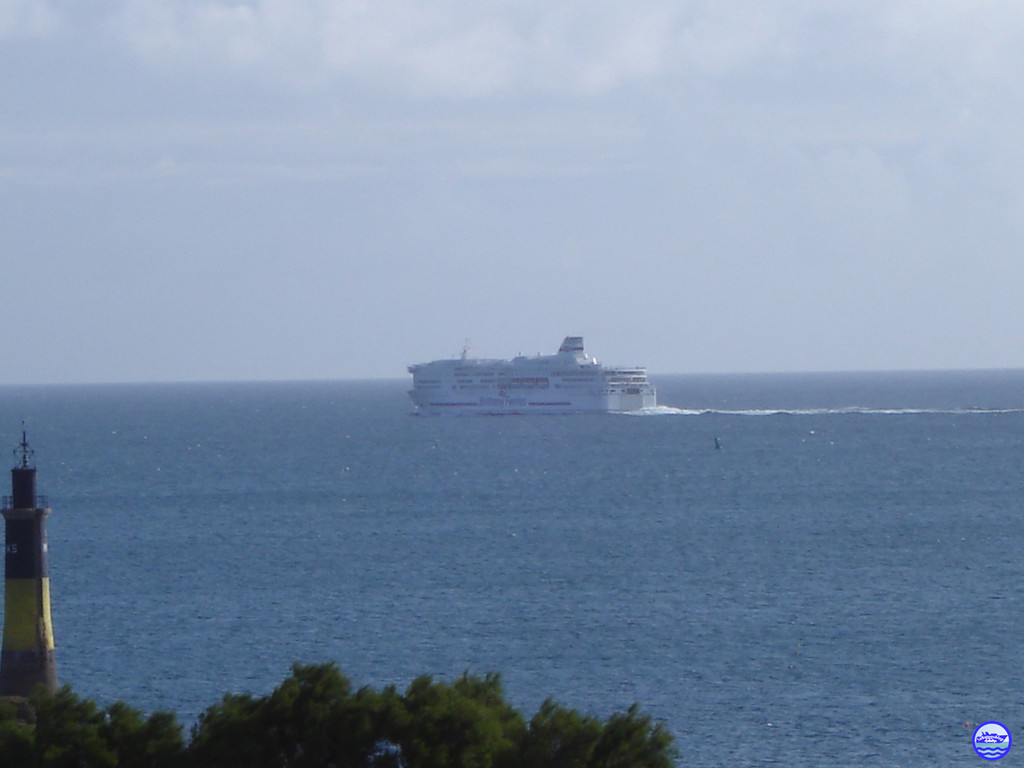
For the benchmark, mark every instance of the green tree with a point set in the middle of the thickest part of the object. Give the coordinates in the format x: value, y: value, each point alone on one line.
x: 15, y: 733
x: 317, y: 720
x: 140, y: 742
x: 229, y: 734
x: 67, y: 732
x: 630, y: 740
x: 314, y: 719
x: 311, y: 720
x: 64, y: 730
x: 559, y: 738
x: 466, y: 724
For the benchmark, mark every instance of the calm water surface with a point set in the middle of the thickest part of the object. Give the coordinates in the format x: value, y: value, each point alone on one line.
x: 838, y: 583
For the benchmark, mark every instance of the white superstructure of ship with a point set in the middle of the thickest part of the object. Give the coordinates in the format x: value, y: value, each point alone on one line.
x: 569, y: 381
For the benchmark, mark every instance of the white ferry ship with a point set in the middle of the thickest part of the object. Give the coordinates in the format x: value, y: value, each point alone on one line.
x: 567, y: 382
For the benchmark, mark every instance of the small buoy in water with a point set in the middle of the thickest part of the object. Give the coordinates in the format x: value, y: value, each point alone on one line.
x: 718, y: 444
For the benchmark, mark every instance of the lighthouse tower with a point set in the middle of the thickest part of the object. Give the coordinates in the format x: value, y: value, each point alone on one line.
x: 27, y: 659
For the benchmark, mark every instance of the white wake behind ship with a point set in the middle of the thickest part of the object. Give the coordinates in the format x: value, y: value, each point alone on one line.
x: 567, y: 382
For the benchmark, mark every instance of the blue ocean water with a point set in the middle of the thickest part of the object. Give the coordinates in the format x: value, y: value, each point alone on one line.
x: 786, y: 570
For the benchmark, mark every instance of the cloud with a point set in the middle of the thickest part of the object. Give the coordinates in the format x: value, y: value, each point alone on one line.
x: 457, y: 47
x: 27, y: 19
x: 797, y: 50
x: 816, y: 160
x: 968, y: 40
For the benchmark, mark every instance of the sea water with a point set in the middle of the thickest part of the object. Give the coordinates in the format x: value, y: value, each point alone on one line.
x: 785, y: 570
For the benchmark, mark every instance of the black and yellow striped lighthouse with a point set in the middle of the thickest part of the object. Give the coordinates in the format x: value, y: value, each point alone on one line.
x: 28, y: 657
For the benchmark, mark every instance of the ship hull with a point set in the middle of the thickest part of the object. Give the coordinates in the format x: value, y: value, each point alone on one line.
x: 498, y: 405
x: 564, y: 383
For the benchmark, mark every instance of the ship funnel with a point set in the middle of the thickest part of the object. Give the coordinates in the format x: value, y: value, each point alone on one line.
x: 572, y: 345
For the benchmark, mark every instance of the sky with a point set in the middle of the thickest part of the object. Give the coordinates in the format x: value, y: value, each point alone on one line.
x: 204, y: 190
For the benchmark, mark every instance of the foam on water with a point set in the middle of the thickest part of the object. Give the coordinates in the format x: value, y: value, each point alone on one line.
x: 662, y: 410
x: 667, y: 410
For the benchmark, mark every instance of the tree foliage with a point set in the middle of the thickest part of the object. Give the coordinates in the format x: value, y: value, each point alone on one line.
x: 312, y: 719
x: 560, y: 738
x: 62, y: 730
x: 467, y: 724
x: 315, y: 719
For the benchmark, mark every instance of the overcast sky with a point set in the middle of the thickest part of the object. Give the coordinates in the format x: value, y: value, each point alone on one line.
x: 295, y: 189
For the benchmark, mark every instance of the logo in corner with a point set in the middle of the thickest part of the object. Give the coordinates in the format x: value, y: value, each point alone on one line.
x: 991, y: 740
